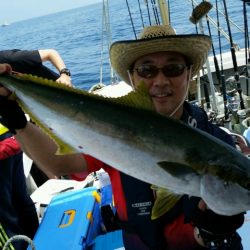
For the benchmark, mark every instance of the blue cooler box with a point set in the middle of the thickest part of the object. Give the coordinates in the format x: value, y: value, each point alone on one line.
x: 109, y: 241
x: 71, y: 221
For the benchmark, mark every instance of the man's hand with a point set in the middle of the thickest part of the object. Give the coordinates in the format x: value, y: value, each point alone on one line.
x: 5, y: 68
x: 211, y: 228
x: 215, y: 223
x: 65, y: 79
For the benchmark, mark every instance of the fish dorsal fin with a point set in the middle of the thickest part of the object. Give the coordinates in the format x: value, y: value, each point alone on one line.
x: 138, y: 98
x: 63, y: 148
x: 165, y: 200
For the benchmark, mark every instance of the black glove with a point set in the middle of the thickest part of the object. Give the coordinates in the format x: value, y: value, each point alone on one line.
x: 217, y: 224
x: 11, y: 115
x: 217, y: 231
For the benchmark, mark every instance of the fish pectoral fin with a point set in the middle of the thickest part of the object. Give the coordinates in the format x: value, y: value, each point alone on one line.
x: 164, y: 201
x: 176, y: 169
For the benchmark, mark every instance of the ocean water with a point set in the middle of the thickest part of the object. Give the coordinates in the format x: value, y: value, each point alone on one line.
x: 77, y: 33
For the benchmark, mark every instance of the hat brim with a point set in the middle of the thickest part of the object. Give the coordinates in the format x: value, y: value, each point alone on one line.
x: 124, y: 53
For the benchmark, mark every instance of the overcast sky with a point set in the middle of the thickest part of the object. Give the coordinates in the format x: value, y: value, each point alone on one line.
x: 16, y: 10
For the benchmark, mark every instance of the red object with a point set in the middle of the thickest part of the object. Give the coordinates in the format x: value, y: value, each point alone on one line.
x: 9, y: 147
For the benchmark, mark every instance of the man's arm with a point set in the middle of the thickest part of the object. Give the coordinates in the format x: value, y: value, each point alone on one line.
x: 42, y: 149
x: 54, y: 57
x: 34, y: 142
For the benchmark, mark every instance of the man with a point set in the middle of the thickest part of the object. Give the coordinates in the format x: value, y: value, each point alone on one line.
x: 165, y: 62
x: 31, y: 62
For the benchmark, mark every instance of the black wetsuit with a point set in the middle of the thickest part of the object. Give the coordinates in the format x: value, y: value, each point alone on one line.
x: 27, y: 61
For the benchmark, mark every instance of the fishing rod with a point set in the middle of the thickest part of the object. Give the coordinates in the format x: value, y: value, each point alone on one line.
x: 235, y: 66
x: 247, y: 51
x: 220, y: 74
x: 198, y: 13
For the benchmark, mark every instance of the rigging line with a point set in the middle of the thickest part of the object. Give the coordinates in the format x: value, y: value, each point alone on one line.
x: 102, y: 37
x: 169, y: 12
x: 156, y: 15
x: 107, y: 22
x: 131, y: 20
x: 149, y: 19
x: 109, y: 40
x: 231, y: 21
x: 236, y: 73
x: 139, y: 4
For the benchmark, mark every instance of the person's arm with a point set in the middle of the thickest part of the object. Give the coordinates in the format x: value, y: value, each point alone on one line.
x: 34, y: 142
x: 54, y: 57
x: 42, y: 149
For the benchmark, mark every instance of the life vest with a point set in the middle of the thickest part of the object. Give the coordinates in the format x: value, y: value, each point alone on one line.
x: 139, y: 196
x: 3, y: 129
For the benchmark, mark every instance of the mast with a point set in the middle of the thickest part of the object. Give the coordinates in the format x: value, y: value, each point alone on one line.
x: 163, y: 6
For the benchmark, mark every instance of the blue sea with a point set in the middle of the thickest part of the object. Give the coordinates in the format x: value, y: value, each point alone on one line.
x: 77, y: 33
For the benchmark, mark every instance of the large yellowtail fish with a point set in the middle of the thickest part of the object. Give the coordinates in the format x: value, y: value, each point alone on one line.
x: 128, y: 134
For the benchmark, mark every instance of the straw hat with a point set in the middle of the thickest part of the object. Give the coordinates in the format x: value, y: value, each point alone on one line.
x: 159, y: 38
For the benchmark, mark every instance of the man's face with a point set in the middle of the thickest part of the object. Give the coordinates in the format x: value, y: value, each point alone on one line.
x: 167, y: 86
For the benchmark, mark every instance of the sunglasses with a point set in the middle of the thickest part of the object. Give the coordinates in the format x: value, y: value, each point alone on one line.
x: 150, y: 71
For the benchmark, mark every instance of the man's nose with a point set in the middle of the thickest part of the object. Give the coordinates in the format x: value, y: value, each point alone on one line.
x: 160, y: 79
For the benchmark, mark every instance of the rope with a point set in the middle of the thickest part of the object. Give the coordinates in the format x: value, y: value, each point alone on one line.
x: 169, y: 12
x: 101, y: 64
x: 231, y: 21
x: 149, y: 19
x: 139, y: 4
x: 156, y: 14
x: 132, y: 23
x: 18, y: 238
x: 106, y: 30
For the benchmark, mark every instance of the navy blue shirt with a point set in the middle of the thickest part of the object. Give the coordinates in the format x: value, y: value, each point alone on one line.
x: 17, y: 211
